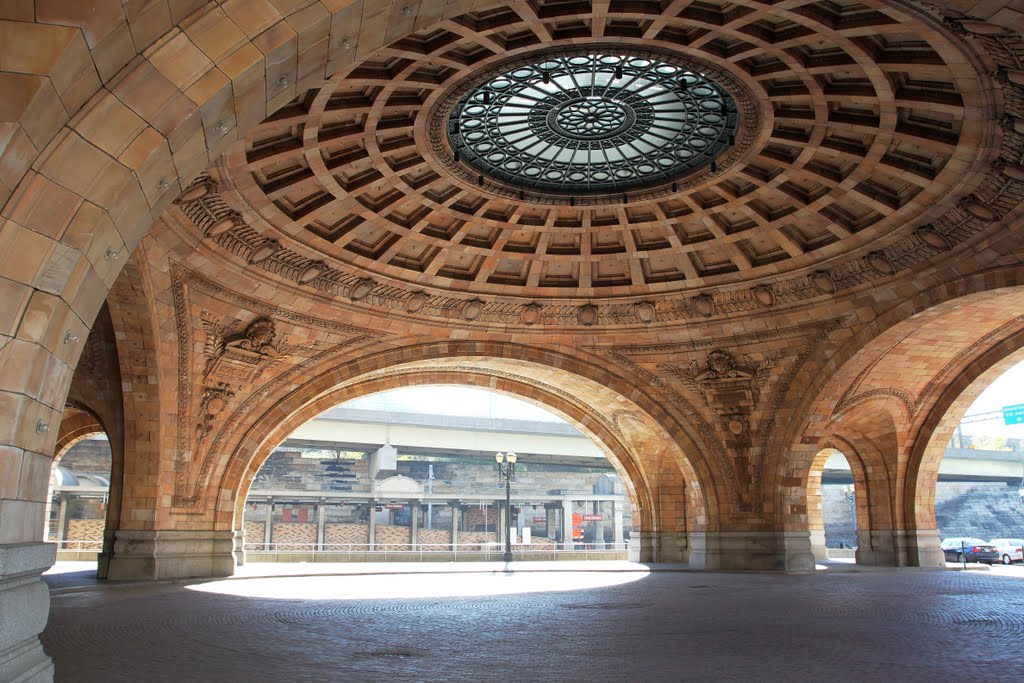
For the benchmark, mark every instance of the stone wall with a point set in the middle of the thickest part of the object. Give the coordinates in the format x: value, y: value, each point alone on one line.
x: 983, y: 509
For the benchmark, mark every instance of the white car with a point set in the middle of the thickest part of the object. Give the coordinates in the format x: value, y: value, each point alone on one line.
x: 1010, y: 549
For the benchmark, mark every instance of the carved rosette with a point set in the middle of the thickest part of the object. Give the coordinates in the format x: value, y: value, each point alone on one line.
x: 587, y: 315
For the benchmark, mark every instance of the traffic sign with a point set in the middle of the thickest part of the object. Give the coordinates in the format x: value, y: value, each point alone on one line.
x: 1013, y: 415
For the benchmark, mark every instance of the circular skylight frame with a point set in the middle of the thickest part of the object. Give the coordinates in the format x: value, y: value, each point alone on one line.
x: 598, y: 121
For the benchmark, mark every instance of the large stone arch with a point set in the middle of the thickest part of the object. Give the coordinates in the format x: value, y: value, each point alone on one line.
x: 628, y: 425
x: 937, y: 427
x: 912, y: 372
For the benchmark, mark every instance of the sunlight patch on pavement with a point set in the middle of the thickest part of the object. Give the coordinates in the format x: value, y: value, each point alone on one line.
x: 403, y: 586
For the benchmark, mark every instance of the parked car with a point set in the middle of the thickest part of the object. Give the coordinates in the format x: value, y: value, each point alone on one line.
x: 1010, y: 549
x: 974, y: 549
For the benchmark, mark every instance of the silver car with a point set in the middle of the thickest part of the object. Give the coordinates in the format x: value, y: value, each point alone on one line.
x: 1010, y: 549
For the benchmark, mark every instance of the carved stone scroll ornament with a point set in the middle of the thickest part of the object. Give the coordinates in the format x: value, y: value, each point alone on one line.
x: 242, y: 358
x: 729, y: 388
x: 732, y: 390
x: 215, y: 400
x: 725, y: 382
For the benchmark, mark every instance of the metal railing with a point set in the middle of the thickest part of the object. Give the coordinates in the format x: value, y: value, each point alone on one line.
x: 431, y: 551
x: 80, y: 546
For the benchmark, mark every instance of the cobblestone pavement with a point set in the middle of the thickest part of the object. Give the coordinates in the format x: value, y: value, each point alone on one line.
x: 546, y: 626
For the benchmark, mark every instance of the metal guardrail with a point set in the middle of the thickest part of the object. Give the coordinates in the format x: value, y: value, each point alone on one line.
x: 428, y: 551
x: 80, y: 546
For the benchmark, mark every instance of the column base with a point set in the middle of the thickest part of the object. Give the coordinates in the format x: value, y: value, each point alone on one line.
x: 103, y: 558
x: 24, y: 608
x: 239, y: 543
x: 818, y: 548
x: 899, y: 548
x: 659, y: 546
x: 171, y: 555
x: 764, y: 551
x: 754, y: 550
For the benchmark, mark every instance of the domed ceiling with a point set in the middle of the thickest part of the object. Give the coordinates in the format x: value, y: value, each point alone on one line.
x: 562, y: 152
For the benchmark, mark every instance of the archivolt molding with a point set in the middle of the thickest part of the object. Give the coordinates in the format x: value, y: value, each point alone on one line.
x: 77, y: 422
x: 473, y: 359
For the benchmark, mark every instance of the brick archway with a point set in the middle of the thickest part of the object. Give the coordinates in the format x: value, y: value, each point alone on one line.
x: 868, y: 437
x: 633, y: 435
x: 77, y: 423
x: 937, y: 428
x: 896, y: 402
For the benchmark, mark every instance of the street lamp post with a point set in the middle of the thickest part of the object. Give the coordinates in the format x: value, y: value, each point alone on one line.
x: 507, y: 475
x: 1020, y: 492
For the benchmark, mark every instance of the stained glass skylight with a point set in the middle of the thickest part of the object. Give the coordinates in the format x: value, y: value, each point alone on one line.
x: 593, y: 123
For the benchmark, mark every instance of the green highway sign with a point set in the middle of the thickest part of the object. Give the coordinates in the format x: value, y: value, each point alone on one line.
x: 1013, y: 415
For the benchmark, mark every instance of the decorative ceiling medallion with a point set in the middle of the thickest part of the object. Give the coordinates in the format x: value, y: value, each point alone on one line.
x: 588, y: 124
x: 607, y: 121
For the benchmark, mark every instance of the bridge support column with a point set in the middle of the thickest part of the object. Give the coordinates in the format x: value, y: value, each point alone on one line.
x: 321, y: 526
x: 567, y: 543
x: 414, y: 522
x: 456, y: 509
x: 617, y: 524
x: 371, y: 535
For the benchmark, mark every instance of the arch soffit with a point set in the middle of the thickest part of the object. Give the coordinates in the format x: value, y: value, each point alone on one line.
x: 863, y: 440
x: 552, y: 368
x: 838, y: 364
x: 77, y: 422
x: 793, y: 451
x: 937, y: 426
x: 132, y: 313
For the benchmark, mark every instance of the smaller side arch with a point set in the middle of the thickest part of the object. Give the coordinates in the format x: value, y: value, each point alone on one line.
x: 76, y: 423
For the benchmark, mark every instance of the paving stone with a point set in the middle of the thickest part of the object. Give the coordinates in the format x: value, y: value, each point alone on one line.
x: 562, y: 625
